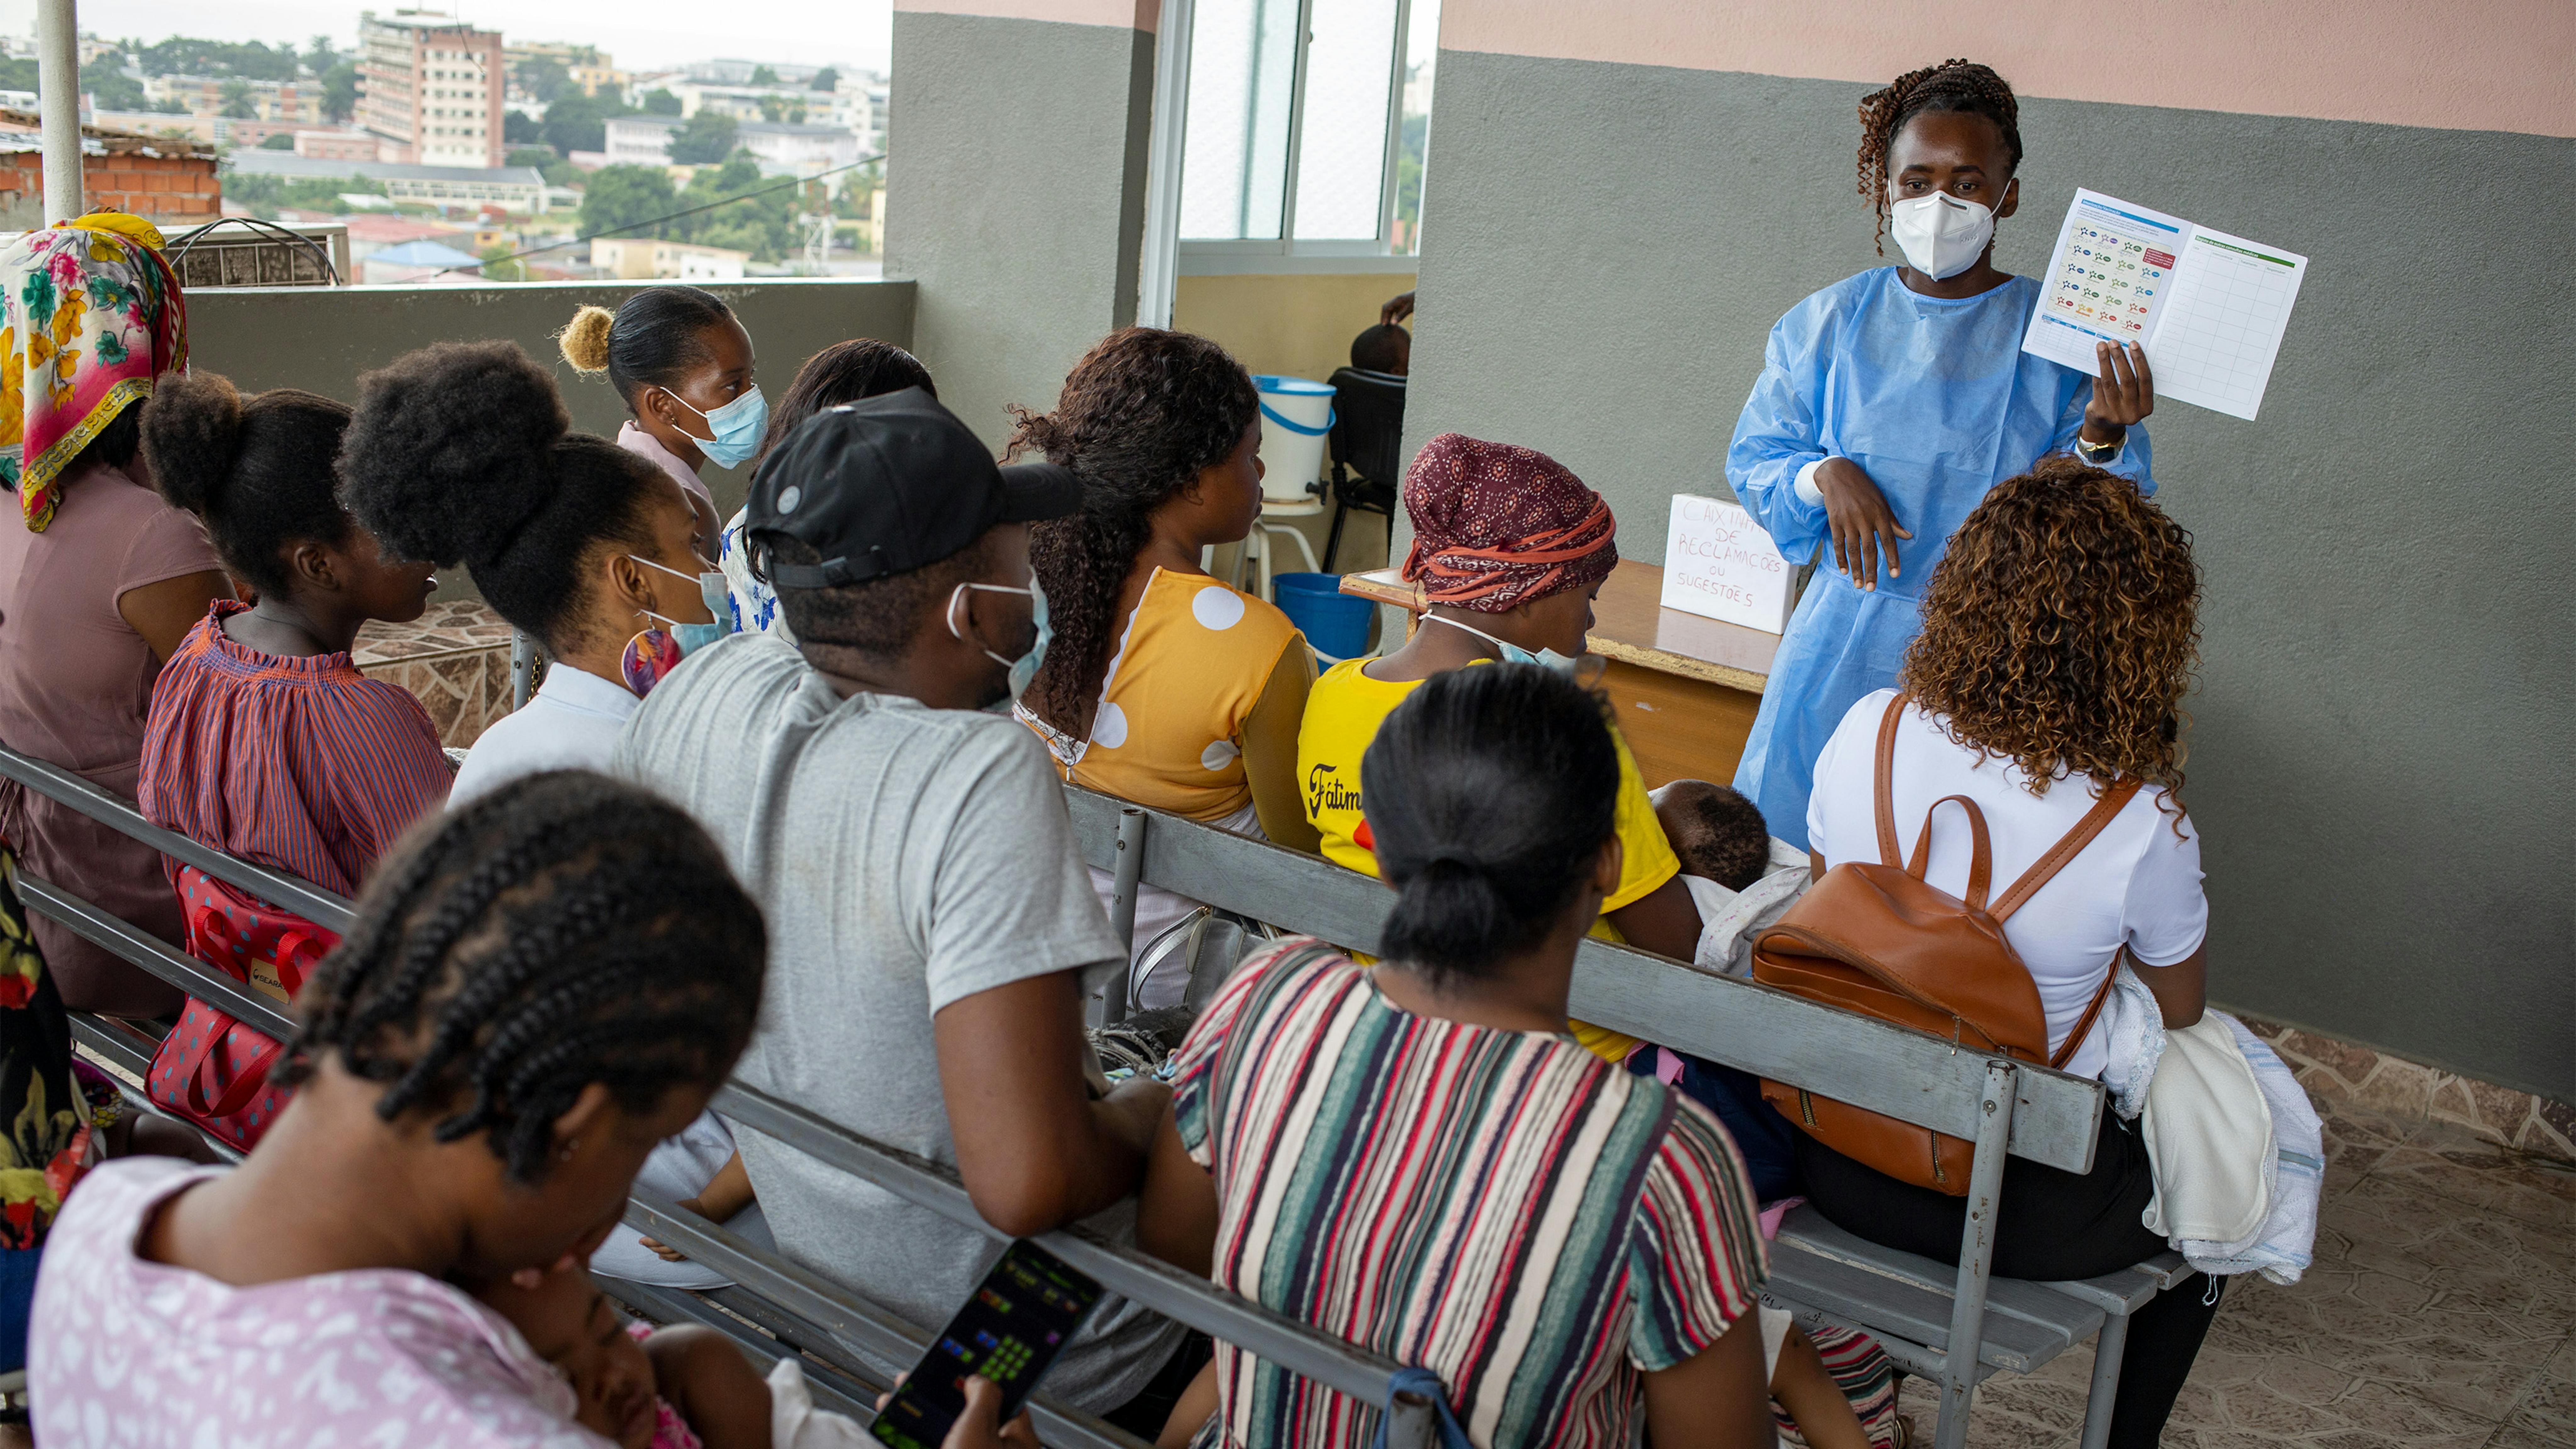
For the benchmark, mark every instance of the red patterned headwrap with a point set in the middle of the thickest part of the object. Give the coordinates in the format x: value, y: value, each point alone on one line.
x: 1496, y: 525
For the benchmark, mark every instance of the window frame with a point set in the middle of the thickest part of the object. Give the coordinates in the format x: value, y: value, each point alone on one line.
x: 1286, y: 253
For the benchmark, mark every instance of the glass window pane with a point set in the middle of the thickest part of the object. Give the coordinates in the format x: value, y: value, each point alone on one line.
x: 1234, y: 162
x: 1341, y: 157
x: 1413, y: 143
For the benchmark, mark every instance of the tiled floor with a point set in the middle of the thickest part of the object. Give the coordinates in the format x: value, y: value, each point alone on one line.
x: 2440, y: 1313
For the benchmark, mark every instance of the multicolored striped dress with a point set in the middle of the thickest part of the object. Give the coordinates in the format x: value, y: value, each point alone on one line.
x: 1503, y: 1208
x: 296, y: 762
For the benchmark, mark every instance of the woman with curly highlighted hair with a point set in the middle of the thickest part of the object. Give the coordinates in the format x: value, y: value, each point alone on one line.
x: 1162, y: 685
x: 2058, y: 641
x: 1891, y: 401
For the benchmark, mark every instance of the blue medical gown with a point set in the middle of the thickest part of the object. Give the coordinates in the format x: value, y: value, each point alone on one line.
x: 1937, y: 402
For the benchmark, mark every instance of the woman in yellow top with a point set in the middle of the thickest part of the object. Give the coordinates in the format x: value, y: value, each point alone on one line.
x: 1510, y: 548
x: 1162, y: 685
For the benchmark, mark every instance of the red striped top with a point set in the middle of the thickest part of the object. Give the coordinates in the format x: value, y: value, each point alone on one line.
x: 296, y: 762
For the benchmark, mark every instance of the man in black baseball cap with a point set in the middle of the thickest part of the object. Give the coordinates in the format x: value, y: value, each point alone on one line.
x: 913, y: 859
x: 872, y: 512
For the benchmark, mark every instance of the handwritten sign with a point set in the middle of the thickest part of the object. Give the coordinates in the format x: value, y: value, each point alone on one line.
x: 1718, y: 563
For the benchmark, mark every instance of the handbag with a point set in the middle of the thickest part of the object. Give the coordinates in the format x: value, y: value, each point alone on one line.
x: 211, y: 1069
x: 1870, y: 937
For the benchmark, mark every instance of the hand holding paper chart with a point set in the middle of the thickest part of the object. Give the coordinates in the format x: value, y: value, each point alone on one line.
x: 2208, y: 307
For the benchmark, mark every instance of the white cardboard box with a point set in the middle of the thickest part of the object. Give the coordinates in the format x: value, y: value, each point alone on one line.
x: 1718, y: 563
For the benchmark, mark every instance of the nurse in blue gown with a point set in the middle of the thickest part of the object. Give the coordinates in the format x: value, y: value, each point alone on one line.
x: 1891, y: 401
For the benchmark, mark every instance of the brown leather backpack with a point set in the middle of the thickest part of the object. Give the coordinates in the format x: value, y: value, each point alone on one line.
x: 1871, y: 937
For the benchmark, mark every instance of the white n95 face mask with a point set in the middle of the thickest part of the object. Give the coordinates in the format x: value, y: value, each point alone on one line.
x: 1941, y: 235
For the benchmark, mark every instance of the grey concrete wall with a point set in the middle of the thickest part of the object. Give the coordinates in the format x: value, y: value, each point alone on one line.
x: 1016, y: 200
x: 321, y: 338
x: 2380, y: 754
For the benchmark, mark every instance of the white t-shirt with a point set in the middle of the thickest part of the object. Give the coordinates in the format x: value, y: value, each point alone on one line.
x: 905, y: 857
x: 2137, y: 883
x: 571, y: 723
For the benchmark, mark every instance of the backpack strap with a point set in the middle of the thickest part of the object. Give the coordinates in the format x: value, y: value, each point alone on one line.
x: 2113, y: 801
x: 2084, y: 1024
x: 1981, y: 864
x: 1889, y: 853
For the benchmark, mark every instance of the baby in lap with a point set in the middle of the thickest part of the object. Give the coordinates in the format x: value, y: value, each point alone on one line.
x: 1740, y: 878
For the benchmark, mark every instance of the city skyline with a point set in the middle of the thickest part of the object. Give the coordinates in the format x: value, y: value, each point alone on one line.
x: 642, y: 34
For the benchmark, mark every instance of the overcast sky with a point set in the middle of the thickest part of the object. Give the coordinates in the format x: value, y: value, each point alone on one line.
x: 641, y: 34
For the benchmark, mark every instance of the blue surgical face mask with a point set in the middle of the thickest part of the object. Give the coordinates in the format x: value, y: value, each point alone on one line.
x: 1024, y: 668
x: 714, y: 593
x: 737, y: 427
x: 1570, y: 667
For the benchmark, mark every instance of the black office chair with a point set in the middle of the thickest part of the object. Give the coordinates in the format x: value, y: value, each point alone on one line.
x: 1368, y: 447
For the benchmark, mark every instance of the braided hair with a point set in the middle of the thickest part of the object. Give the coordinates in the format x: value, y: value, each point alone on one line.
x: 1141, y: 414
x: 563, y: 930
x: 1960, y: 86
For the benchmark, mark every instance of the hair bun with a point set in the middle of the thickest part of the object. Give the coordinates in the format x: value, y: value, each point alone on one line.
x: 451, y: 451
x: 192, y: 434
x: 584, y: 340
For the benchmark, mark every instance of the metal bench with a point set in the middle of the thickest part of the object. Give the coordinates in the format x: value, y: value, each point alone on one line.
x: 852, y: 1348
x: 1955, y: 1326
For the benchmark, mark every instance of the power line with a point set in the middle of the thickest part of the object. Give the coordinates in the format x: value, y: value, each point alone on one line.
x: 673, y: 216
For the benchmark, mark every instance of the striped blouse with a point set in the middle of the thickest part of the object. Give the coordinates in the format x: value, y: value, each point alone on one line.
x: 1530, y: 1223
x: 296, y: 762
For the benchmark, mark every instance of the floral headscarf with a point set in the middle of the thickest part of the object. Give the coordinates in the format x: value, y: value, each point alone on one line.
x: 92, y: 316
x: 1496, y: 525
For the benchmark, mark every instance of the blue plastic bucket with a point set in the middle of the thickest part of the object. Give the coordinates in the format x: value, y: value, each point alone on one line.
x: 1337, y: 624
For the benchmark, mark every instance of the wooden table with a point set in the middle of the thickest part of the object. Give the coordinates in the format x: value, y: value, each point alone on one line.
x: 1686, y: 688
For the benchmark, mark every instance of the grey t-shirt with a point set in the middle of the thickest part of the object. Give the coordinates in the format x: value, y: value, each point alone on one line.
x: 905, y: 857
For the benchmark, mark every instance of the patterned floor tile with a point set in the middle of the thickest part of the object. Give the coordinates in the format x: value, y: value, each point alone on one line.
x: 2449, y: 1162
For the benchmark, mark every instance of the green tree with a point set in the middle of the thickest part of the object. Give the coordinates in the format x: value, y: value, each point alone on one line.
x: 703, y: 139
x: 660, y: 102
x: 237, y: 104
x: 280, y: 141
x: 622, y: 198
x: 250, y: 60
x: 544, y: 78
x: 500, y: 266
x: 321, y: 55
x: 518, y: 128
x: 537, y: 156
x: 579, y: 123
x: 111, y: 87
x: 826, y: 79
x: 340, y: 91
x: 762, y: 75
x: 773, y: 109
x: 763, y: 225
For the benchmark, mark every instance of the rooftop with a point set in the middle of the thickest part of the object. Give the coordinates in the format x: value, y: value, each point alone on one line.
x: 257, y: 162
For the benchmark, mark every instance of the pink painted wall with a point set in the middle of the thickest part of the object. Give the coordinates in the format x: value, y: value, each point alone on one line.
x: 2488, y: 65
x: 1131, y: 14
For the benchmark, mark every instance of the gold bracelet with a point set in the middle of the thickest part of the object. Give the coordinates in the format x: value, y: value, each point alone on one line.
x: 2089, y: 449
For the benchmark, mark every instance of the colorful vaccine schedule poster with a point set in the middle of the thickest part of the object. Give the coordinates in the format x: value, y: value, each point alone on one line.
x: 2209, y: 308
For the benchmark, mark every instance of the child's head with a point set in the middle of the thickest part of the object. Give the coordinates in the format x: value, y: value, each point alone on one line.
x: 1383, y: 348
x: 1718, y: 833
x: 259, y: 470
x: 572, y: 1325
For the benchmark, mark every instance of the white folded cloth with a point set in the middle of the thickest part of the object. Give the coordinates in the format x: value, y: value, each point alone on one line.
x: 1730, y: 921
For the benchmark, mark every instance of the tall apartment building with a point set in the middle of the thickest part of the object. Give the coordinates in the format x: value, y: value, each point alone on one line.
x: 429, y: 89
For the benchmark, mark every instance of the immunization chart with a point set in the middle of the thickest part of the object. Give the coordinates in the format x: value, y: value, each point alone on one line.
x: 2209, y: 308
